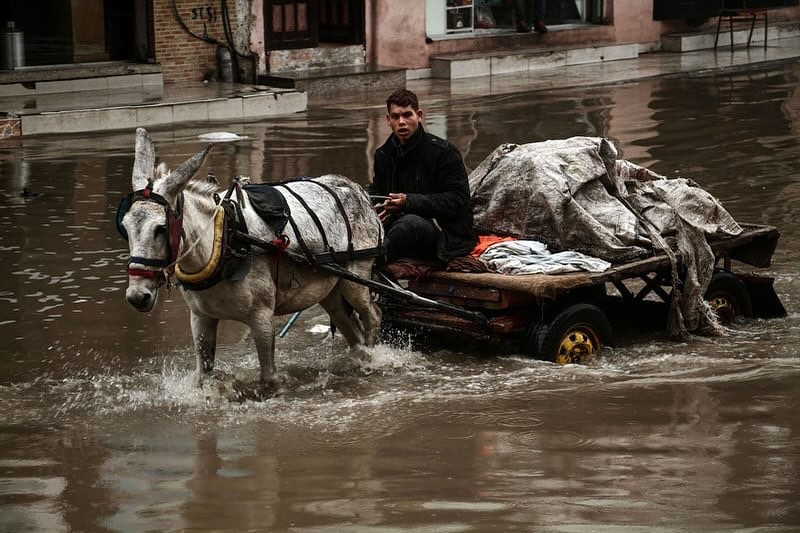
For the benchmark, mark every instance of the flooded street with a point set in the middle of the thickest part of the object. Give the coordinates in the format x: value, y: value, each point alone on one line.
x: 101, y: 428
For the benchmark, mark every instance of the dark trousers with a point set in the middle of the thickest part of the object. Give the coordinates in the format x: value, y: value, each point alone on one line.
x: 411, y: 236
x: 520, y: 10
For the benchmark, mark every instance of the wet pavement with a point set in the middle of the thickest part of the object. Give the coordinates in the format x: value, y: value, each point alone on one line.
x: 101, y: 428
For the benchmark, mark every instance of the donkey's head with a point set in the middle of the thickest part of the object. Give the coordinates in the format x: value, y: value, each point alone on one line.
x: 151, y: 219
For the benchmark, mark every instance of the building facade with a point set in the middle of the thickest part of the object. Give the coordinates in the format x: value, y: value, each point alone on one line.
x: 240, y: 40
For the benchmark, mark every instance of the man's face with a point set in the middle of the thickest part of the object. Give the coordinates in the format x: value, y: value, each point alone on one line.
x: 404, y: 121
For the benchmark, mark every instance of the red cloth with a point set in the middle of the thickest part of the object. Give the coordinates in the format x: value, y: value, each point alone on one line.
x: 484, y: 241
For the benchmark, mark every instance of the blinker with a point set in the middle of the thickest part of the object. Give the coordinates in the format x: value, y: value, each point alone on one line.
x: 124, y: 206
x: 145, y: 194
x: 174, y: 223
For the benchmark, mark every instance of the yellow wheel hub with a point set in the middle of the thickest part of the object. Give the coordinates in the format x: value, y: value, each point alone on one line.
x: 577, y: 346
x: 723, y: 308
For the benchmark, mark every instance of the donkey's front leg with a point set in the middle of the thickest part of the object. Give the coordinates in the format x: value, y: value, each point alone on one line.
x: 263, y: 330
x: 204, y: 333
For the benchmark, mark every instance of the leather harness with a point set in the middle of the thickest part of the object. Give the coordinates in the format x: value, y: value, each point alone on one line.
x: 234, y: 257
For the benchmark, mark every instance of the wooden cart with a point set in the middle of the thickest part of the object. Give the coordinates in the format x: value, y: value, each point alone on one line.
x: 565, y: 317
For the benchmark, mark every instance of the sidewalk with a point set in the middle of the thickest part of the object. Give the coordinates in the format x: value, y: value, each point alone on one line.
x: 109, y: 109
x: 646, y: 66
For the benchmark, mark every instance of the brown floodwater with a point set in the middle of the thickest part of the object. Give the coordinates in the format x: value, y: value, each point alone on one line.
x: 102, y: 430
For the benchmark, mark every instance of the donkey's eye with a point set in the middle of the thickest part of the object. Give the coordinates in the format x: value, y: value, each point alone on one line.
x: 160, y: 230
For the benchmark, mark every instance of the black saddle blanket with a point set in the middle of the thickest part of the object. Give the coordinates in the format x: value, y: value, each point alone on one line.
x: 270, y: 205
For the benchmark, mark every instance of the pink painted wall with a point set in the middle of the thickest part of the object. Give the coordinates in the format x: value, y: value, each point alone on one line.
x: 396, y: 36
x: 633, y: 22
x: 396, y: 31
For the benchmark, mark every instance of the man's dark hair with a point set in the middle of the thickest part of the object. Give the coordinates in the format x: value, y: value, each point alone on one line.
x: 402, y: 98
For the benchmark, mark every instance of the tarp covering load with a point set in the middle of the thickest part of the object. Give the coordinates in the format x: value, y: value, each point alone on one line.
x: 574, y: 194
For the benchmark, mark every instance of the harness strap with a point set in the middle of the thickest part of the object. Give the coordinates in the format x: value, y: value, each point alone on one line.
x: 174, y: 227
x: 331, y: 254
x: 341, y: 211
x: 311, y: 213
x: 303, y: 246
x: 146, y: 261
x: 278, y: 244
x: 349, y: 255
x: 142, y: 273
x: 235, y: 186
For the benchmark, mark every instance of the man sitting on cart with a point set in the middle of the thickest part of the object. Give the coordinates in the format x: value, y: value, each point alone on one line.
x: 421, y: 189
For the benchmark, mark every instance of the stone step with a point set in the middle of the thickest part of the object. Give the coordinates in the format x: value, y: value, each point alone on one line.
x: 37, y: 81
x: 703, y: 38
x: 102, y: 110
x: 473, y: 64
x: 340, y: 79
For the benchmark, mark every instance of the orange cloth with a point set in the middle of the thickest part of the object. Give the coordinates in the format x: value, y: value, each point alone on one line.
x: 484, y: 241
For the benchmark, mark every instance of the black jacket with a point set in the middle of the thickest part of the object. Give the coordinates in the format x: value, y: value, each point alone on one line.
x: 430, y: 171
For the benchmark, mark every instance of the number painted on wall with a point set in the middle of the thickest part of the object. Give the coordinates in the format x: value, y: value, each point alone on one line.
x: 204, y: 13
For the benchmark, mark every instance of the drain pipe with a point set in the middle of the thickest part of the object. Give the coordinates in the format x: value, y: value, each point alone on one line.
x: 205, y: 38
x: 226, y: 28
x: 188, y: 30
x: 231, y: 48
x: 373, y: 17
x: 252, y: 56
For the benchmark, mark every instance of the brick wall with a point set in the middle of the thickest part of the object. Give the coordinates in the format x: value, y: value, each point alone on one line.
x: 182, y: 56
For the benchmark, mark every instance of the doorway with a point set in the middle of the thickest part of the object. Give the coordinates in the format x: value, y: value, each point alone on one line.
x: 58, y: 32
x: 307, y: 23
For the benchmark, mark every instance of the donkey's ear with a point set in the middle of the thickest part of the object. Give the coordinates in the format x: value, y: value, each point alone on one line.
x: 179, y: 177
x: 144, y: 161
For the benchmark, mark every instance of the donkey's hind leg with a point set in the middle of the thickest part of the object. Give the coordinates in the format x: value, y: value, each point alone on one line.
x: 360, y: 298
x: 369, y: 314
x: 341, y: 313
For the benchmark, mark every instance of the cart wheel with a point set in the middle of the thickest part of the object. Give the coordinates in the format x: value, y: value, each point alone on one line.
x: 728, y: 297
x: 575, y: 335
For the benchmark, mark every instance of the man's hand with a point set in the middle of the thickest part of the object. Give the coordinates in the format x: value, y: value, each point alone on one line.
x: 395, y: 204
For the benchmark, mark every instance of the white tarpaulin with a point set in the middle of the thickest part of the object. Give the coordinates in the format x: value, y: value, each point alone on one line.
x: 574, y: 194
x: 533, y: 257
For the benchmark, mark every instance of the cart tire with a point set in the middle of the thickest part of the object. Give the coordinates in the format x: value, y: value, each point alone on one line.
x: 728, y: 297
x: 575, y: 335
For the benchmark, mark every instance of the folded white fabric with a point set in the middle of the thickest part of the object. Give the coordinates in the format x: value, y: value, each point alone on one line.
x: 532, y: 257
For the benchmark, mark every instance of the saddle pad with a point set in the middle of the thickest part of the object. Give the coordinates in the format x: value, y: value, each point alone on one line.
x: 270, y: 205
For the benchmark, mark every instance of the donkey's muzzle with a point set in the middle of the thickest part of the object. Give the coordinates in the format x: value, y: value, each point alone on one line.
x: 141, y: 299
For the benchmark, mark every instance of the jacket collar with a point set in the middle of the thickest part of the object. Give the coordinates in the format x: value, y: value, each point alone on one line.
x: 402, y: 149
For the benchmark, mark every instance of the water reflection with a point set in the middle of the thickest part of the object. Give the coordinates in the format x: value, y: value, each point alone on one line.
x: 101, y: 428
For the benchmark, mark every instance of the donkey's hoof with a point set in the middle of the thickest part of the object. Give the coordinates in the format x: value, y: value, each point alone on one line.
x: 253, y: 391
x: 351, y: 363
x: 268, y: 390
x: 345, y: 366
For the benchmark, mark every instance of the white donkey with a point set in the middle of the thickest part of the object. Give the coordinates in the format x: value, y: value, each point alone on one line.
x: 172, y: 221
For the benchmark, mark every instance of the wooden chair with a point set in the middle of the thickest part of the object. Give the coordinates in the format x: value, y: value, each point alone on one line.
x: 737, y: 12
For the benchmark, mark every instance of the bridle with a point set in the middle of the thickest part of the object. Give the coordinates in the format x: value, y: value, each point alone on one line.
x: 164, y: 268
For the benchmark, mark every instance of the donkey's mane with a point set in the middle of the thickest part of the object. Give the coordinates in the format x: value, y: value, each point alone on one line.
x: 204, y: 188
